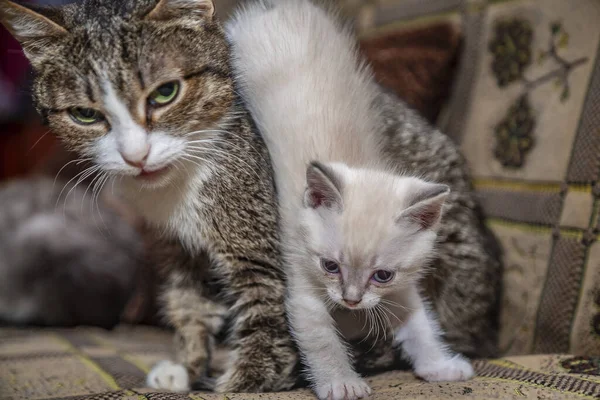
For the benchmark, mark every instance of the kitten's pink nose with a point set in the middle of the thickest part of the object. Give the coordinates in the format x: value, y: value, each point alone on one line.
x: 138, y: 159
x: 352, y: 303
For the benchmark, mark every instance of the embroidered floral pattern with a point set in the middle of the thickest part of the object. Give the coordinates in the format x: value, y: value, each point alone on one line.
x: 514, y: 134
x: 511, y: 46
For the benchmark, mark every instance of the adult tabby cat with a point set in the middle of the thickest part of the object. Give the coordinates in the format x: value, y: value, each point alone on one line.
x: 143, y: 89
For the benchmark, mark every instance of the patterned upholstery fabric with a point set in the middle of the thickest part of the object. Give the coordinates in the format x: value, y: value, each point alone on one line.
x: 525, y: 108
x: 96, y: 364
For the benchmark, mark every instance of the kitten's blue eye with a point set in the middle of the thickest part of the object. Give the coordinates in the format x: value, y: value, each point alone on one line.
x: 330, y: 266
x: 382, y: 276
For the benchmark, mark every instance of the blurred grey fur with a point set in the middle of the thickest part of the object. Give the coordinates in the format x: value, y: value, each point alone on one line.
x: 65, y: 258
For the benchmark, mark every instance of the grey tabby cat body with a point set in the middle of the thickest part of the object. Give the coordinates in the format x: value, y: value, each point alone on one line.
x: 65, y: 258
x: 466, y: 279
x: 143, y: 90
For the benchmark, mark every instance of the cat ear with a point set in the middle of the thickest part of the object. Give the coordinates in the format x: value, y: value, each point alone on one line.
x: 323, y: 187
x: 175, y: 9
x: 425, y: 206
x: 32, y: 26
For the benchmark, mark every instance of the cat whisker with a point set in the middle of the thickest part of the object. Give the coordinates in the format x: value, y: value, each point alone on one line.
x: 78, y: 161
x: 207, y: 162
x: 331, y: 304
x: 394, y: 304
x: 214, y: 145
x: 175, y: 182
x: 175, y: 165
x: 91, y: 199
x: 101, y: 182
x: 385, y: 320
x: 94, y: 185
x: 39, y: 140
x: 386, y: 315
x: 202, y: 162
x: 378, y: 324
x: 190, y: 158
x: 391, y: 313
x: 229, y: 133
x: 82, y: 176
x: 369, y: 319
x: 206, y: 131
x: 112, y: 189
x: 226, y: 143
x: 366, y: 320
x: 85, y: 193
x: 375, y: 320
x: 231, y: 156
x: 390, y: 302
x: 365, y: 325
x: 230, y: 143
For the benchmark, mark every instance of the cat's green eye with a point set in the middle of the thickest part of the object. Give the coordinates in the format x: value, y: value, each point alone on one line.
x: 164, y: 94
x: 85, y: 116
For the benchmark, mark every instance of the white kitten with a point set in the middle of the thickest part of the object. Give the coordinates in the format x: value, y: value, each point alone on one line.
x: 355, y: 236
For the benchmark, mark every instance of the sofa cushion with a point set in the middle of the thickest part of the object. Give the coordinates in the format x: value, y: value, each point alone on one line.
x: 97, y: 364
x: 417, y: 63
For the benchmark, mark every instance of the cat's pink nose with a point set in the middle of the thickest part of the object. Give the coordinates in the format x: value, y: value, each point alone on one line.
x: 352, y: 303
x: 138, y: 159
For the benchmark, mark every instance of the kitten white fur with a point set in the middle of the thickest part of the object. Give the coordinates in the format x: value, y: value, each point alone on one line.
x: 346, y: 221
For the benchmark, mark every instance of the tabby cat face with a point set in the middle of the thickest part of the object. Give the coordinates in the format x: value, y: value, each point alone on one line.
x: 127, y: 83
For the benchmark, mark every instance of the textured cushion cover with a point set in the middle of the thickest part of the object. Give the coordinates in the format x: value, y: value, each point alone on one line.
x: 96, y: 364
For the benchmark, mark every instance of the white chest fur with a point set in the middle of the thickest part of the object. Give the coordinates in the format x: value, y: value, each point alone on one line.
x: 176, y: 208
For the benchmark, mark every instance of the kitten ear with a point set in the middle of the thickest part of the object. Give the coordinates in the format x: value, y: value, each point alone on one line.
x: 323, y: 187
x: 175, y: 9
x: 425, y: 206
x: 32, y: 26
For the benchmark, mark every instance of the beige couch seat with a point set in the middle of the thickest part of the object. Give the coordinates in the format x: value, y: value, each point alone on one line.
x: 90, y: 363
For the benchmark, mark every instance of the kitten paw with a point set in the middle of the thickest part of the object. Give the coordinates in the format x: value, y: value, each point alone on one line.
x: 456, y: 368
x: 351, y: 388
x: 169, y: 376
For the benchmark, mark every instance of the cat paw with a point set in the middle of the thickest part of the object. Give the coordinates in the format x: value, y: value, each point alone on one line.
x: 169, y: 376
x: 351, y: 388
x: 456, y: 368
